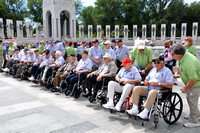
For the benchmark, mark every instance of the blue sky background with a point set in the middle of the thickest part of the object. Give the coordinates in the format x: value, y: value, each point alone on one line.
x: 91, y: 2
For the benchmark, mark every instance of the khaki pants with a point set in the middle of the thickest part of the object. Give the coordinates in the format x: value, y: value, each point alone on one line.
x: 141, y: 91
x: 192, y: 99
x: 59, y: 77
x: 1, y: 61
x: 114, y: 86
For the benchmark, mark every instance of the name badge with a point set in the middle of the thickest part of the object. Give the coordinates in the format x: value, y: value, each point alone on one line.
x: 96, y: 57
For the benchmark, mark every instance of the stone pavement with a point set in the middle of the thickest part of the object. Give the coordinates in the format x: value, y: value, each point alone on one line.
x: 29, y: 108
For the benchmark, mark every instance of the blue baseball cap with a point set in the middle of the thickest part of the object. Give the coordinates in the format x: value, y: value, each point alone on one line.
x: 50, y: 41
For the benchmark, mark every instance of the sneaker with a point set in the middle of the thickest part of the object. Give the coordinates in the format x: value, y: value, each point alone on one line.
x: 108, y: 105
x: 118, y: 107
x: 31, y: 78
x: 132, y: 111
x: 5, y: 69
x: 190, y: 124
x: 143, y: 115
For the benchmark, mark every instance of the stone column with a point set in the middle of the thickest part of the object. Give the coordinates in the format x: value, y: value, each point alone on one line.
x: 19, y: 29
x: 153, y: 32
x: 163, y: 32
x: 125, y: 32
x: 144, y: 31
x: 38, y: 30
x: 10, y: 28
x: 195, y: 31
x: 98, y: 31
x: 90, y: 31
x: 116, y: 31
x: 81, y: 31
x: 1, y: 28
x: 134, y: 32
x: 108, y: 32
x: 29, y: 29
x: 183, y: 31
x: 173, y: 32
x: 65, y: 28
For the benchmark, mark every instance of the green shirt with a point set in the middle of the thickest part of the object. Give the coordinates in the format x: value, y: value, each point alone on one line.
x: 191, y: 49
x: 10, y: 48
x: 143, y: 58
x: 70, y: 50
x: 103, y: 47
x: 40, y: 49
x: 189, y: 68
x: 1, y: 50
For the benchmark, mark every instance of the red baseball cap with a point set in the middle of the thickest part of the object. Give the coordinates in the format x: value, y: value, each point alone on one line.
x: 125, y: 61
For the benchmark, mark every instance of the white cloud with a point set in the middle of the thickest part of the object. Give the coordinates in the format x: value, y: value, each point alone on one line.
x: 88, y: 2
x: 190, y: 1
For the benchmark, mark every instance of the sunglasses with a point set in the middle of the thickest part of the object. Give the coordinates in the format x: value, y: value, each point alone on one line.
x: 157, y: 62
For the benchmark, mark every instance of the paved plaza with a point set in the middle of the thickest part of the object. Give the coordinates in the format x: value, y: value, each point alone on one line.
x: 29, y: 108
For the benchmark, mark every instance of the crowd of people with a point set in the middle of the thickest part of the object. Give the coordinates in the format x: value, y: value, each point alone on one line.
x: 109, y: 59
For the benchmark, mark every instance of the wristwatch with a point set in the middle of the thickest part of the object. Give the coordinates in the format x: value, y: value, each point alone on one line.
x: 159, y: 84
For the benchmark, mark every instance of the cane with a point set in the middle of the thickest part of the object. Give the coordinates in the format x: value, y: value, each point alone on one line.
x: 145, y: 100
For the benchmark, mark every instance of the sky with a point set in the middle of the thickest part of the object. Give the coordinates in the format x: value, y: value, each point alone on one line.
x: 91, y: 2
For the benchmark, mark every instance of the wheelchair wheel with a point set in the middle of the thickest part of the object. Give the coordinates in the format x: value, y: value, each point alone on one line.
x: 172, y: 108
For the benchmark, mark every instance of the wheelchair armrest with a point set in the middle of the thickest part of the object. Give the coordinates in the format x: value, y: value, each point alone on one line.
x: 109, y: 78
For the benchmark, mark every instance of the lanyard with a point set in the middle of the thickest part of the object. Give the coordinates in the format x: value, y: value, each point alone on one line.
x: 96, y: 50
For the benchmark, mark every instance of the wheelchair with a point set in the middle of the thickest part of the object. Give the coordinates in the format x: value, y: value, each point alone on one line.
x: 26, y: 72
x: 168, y: 105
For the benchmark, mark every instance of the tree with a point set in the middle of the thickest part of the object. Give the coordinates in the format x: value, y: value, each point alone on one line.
x: 79, y: 6
x: 35, y: 10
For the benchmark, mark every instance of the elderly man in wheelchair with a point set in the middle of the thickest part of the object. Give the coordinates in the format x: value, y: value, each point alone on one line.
x: 159, y: 77
x: 126, y: 78
x: 108, y: 69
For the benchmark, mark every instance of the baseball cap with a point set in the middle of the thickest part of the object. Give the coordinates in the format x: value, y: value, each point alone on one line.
x: 120, y: 40
x: 140, y: 44
x: 83, y: 42
x: 47, y: 51
x: 50, y: 41
x: 26, y: 49
x: 161, y: 58
x: 113, y: 40
x: 36, y: 50
x: 107, y: 42
x: 107, y: 56
x: 95, y: 40
x: 72, y: 55
x: 125, y: 61
x: 16, y: 49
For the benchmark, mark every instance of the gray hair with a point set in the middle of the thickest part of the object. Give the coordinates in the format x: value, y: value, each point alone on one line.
x: 59, y: 53
x: 178, y: 49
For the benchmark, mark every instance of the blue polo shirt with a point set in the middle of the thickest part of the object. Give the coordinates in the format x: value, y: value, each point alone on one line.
x: 164, y: 75
x: 97, y: 54
x: 131, y: 74
x: 121, y: 53
x: 111, y: 52
x: 46, y: 61
x: 80, y: 49
x: 84, y: 64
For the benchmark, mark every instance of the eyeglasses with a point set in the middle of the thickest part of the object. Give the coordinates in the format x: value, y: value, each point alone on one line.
x: 157, y: 62
x: 186, y: 39
x: 105, y: 44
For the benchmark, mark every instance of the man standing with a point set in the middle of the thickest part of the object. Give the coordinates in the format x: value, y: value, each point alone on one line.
x: 109, y: 50
x: 80, y: 49
x: 1, y: 56
x: 143, y: 56
x: 96, y: 54
x: 189, y: 68
x: 121, y: 53
x: 102, y: 44
x: 61, y: 47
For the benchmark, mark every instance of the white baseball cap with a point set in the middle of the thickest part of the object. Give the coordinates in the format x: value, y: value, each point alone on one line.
x: 107, y: 56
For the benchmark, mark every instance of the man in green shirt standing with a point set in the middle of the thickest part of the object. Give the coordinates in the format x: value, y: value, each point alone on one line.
x: 70, y: 50
x: 11, y: 46
x: 189, y: 69
x: 102, y: 44
x: 1, y: 56
x: 190, y: 46
x: 143, y: 56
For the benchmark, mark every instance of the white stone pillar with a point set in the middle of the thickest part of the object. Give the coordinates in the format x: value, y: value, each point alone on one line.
x: 38, y: 30
x: 19, y: 29
x: 1, y: 28
x: 173, y: 32
x: 135, y: 29
x: 183, y: 31
x: 144, y: 31
x: 29, y: 29
x: 125, y: 32
x: 65, y: 28
x: 116, y: 31
x: 81, y: 31
x: 108, y: 32
x: 90, y: 31
x: 153, y: 32
x: 10, y: 28
x: 98, y: 31
x: 195, y: 31
x: 163, y: 32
